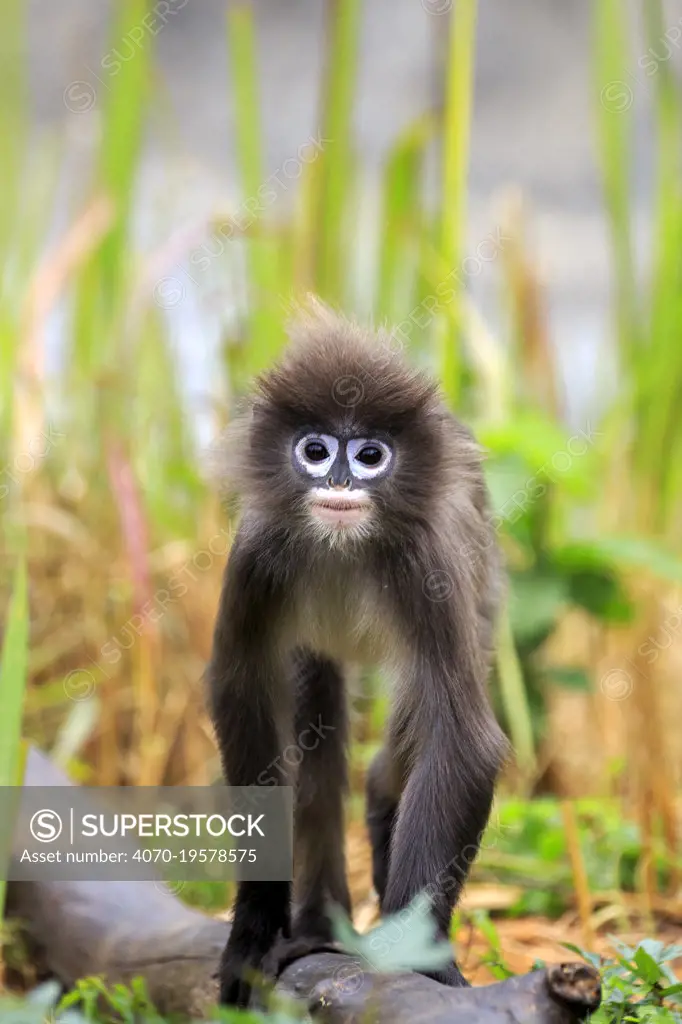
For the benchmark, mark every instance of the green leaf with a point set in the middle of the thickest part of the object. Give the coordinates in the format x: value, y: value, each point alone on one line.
x: 602, y: 594
x: 625, y: 553
x: 671, y: 990
x: 570, y: 678
x: 547, y: 453
x: 572, y: 948
x: 37, y: 1007
x: 648, y: 969
x: 402, y: 942
x: 45, y: 996
x: 654, y: 947
x: 507, y: 480
x: 537, y: 600
x: 487, y: 929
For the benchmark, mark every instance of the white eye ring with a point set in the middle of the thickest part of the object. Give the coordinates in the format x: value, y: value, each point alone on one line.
x: 359, y: 469
x: 316, y: 468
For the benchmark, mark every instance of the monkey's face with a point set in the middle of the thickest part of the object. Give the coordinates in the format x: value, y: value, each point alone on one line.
x: 340, y: 475
x: 324, y: 462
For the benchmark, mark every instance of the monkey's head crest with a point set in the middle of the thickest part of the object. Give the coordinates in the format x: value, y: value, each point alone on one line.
x: 342, y: 439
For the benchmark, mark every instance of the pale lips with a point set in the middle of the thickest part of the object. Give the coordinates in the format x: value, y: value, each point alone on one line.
x: 339, y: 508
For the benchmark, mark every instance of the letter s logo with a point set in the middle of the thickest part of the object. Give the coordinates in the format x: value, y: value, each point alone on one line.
x: 45, y: 826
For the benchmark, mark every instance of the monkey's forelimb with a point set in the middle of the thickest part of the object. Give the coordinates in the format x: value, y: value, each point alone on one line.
x: 446, y: 747
x: 246, y: 688
x: 442, y: 814
x: 321, y: 786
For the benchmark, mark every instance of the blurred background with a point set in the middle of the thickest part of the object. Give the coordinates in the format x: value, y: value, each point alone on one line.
x: 502, y: 183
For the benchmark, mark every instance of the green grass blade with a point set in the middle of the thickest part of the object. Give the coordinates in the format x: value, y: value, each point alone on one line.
x: 13, y: 678
x: 614, y: 127
x: 660, y: 374
x: 12, y: 138
x: 163, y: 453
x: 265, y: 332
x: 242, y: 49
x: 456, y: 132
x: 514, y: 698
x: 13, y: 671
x: 402, y: 214
x: 124, y: 116
x: 12, y: 120
x: 101, y: 284
x: 335, y: 165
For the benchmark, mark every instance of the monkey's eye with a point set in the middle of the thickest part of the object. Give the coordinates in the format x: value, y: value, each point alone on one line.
x: 368, y: 457
x: 315, y: 453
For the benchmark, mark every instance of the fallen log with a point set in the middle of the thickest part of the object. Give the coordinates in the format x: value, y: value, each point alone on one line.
x: 122, y: 930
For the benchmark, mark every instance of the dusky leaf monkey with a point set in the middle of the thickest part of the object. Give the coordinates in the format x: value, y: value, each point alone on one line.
x: 364, y: 538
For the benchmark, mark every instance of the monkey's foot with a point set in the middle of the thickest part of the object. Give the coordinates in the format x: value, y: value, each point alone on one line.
x: 237, y: 976
x: 244, y: 968
x: 250, y: 970
x: 450, y: 975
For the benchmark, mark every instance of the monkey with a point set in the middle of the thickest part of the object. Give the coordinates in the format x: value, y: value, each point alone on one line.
x: 364, y: 538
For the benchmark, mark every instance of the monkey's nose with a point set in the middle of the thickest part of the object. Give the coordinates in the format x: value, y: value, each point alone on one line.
x: 342, y: 486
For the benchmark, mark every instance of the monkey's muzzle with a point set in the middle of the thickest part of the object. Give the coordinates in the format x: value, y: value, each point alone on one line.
x: 339, y: 508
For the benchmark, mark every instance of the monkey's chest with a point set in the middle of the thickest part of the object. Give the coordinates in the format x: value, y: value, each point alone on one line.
x: 344, y: 618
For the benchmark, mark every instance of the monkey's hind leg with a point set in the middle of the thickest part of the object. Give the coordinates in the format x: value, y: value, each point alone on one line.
x: 321, y: 736
x: 383, y: 798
